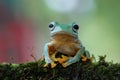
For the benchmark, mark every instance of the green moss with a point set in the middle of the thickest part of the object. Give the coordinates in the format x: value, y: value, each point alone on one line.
x: 100, y: 70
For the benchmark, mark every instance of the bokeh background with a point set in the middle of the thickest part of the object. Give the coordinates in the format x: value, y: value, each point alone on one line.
x: 24, y: 26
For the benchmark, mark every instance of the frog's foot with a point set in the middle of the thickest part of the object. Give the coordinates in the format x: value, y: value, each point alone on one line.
x: 62, y: 59
x: 84, y: 58
x: 53, y: 64
x: 64, y: 64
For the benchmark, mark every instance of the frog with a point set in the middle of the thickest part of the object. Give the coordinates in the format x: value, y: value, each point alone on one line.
x: 64, y: 46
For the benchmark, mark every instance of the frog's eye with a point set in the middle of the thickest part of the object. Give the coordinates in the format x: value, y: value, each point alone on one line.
x: 75, y: 27
x: 51, y: 26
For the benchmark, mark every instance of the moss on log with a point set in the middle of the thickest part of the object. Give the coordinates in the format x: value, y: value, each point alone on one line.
x: 100, y: 70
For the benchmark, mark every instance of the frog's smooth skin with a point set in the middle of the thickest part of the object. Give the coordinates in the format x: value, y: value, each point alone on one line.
x: 64, y: 39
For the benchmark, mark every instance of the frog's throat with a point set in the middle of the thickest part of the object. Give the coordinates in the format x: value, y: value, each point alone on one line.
x: 64, y: 33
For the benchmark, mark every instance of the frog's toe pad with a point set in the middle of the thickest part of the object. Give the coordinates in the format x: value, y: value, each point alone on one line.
x: 53, y: 64
x: 64, y: 65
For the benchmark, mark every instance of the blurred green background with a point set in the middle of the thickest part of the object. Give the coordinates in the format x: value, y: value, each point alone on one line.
x: 99, y: 22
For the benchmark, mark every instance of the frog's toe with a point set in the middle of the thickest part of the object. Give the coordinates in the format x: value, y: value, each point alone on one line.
x: 53, y: 64
x: 84, y: 58
x: 65, y: 64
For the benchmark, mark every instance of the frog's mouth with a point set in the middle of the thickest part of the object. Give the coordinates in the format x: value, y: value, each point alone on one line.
x: 63, y: 33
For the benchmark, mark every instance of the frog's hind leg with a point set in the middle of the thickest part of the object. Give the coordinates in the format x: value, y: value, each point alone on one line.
x: 74, y: 59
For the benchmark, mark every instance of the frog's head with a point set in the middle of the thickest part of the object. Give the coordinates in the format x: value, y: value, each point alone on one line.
x: 70, y: 29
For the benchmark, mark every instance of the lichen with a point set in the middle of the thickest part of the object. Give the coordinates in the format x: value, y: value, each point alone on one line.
x: 100, y: 70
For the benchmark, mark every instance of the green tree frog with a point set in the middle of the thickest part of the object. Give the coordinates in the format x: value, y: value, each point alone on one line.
x: 65, y: 46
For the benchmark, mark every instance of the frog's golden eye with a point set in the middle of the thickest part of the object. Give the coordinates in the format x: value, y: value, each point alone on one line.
x: 51, y: 26
x: 75, y: 27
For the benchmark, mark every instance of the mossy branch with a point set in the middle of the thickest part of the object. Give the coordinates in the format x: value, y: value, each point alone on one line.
x: 100, y: 70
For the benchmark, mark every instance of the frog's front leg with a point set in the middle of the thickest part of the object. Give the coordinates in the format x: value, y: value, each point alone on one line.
x: 46, y: 55
x: 75, y: 58
x: 48, y: 50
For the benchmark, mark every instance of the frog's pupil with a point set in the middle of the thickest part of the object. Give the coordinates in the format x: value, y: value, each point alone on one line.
x: 76, y: 27
x: 51, y: 25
